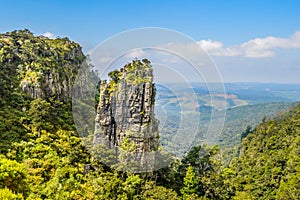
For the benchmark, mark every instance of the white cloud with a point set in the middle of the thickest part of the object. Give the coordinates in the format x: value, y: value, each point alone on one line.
x: 255, y: 48
x: 49, y: 35
x: 217, y: 49
x: 210, y: 45
x: 136, y: 53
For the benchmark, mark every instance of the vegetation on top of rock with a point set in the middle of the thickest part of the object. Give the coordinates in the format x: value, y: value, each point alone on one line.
x: 43, y: 67
x: 135, y: 72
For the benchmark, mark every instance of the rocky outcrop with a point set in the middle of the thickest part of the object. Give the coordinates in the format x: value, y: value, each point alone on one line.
x: 126, y: 111
x: 44, y: 68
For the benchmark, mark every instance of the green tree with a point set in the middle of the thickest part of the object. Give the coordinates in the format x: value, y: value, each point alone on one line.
x: 152, y: 191
x: 190, y: 183
x: 246, y: 132
x: 40, y: 112
x: 201, y: 159
x: 132, y: 185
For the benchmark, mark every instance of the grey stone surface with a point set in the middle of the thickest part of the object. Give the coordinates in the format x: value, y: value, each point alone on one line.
x: 126, y: 110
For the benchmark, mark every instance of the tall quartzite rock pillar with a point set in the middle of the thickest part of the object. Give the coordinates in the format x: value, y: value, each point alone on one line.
x: 125, y: 116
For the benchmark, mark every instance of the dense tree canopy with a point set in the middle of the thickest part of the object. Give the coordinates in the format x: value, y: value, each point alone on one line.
x: 269, y: 167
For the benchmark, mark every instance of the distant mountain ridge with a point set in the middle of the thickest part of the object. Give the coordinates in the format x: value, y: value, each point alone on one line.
x: 247, y: 105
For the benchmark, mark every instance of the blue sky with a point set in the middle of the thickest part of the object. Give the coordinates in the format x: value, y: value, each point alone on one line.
x: 253, y: 41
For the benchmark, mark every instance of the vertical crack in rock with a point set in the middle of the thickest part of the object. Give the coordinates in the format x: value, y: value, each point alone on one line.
x: 125, y: 116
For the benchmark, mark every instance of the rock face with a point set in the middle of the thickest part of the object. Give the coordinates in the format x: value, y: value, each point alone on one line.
x: 44, y: 68
x: 126, y: 110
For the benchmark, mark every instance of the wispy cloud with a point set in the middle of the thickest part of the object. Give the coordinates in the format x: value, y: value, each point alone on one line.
x: 255, y: 48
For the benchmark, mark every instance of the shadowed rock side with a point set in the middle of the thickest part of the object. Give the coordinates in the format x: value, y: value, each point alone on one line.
x: 125, y: 115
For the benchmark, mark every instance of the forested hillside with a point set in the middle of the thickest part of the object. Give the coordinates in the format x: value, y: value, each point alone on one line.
x: 42, y: 157
x: 269, y: 162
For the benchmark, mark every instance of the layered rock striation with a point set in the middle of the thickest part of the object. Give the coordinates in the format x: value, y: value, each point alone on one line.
x: 125, y: 112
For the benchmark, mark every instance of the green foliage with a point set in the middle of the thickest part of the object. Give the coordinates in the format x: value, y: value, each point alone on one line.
x: 31, y: 59
x: 27, y: 63
x: 13, y: 176
x: 190, y: 183
x: 268, y: 167
x: 132, y: 185
x: 152, y: 191
x: 201, y: 166
x: 201, y: 159
x: 289, y: 189
x: 246, y: 132
x: 135, y: 71
x: 55, y: 163
x: 11, y: 127
x: 39, y: 113
x: 115, y: 75
x: 6, y: 194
